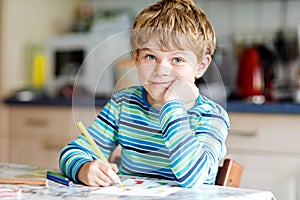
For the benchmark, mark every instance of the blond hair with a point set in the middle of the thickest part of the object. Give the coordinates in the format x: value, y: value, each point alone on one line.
x: 174, y: 24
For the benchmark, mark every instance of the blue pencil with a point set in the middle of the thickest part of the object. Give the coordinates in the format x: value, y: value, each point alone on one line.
x: 59, y: 179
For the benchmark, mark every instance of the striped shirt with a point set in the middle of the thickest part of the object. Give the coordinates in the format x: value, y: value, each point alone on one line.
x: 172, y: 143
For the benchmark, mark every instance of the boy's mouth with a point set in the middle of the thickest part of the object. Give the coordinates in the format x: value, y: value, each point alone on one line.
x: 164, y: 84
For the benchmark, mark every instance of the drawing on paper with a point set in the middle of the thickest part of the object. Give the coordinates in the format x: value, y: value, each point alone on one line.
x: 141, y: 187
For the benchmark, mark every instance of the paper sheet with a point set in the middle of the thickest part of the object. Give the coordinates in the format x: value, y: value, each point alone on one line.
x: 141, y: 187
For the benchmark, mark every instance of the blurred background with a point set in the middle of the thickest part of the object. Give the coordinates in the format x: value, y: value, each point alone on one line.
x: 269, y: 27
x: 255, y: 75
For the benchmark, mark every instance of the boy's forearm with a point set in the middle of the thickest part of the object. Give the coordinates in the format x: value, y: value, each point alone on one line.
x: 77, y: 153
x: 72, y: 157
x: 191, y: 158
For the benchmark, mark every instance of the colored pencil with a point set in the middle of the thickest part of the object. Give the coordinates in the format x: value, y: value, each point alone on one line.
x: 57, y: 174
x: 59, y: 179
x: 94, y: 145
x: 92, y: 142
x: 27, y: 181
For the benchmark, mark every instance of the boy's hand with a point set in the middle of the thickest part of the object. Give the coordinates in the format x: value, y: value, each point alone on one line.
x: 181, y: 90
x: 96, y: 173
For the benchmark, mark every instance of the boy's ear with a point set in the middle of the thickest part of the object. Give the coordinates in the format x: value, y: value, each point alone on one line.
x: 202, y: 66
x: 135, y: 57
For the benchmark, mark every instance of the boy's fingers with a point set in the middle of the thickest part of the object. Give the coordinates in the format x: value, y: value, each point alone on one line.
x: 100, y: 182
x: 104, y: 177
x: 108, y: 172
x: 113, y: 176
x: 114, y: 167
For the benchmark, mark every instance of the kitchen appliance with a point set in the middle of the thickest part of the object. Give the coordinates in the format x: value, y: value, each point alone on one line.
x: 250, y: 80
x: 85, y: 60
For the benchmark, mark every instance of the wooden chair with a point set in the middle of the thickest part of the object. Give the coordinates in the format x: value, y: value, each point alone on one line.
x: 229, y: 174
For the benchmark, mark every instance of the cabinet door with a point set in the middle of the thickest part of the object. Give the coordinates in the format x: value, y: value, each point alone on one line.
x: 4, y: 135
x: 264, y: 132
x: 268, y: 148
x: 42, y: 152
x: 4, y: 150
x: 272, y: 172
x: 37, y: 134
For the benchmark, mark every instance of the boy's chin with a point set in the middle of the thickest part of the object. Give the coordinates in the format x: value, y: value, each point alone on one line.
x: 155, y: 96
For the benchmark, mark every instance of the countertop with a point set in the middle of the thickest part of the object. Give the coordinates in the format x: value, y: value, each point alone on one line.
x: 230, y: 106
x: 269, y: 107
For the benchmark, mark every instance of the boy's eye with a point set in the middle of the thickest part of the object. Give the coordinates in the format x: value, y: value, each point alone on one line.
x: 177, y: 60
x: 150, y: 57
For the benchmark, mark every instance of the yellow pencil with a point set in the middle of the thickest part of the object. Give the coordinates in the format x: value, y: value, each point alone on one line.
x: 94, y: 145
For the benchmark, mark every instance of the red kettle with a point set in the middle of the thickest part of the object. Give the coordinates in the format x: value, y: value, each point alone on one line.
x: 250, y: 79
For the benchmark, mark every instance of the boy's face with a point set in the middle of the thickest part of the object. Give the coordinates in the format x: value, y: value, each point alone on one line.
x: 158, y: 69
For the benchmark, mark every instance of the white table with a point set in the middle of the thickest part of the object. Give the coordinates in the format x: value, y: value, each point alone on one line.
x: 58, y: 191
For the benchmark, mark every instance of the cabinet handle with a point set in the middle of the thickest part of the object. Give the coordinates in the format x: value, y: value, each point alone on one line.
x: 243, y: 133
x: 36, y: 122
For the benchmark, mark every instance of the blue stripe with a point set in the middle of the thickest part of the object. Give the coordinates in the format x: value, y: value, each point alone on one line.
x: 198, y: 165
x: 171, y: 123
x: 181, y: 145
x: 142, y: 145
x: 216, y: 117
x: 139, y: 168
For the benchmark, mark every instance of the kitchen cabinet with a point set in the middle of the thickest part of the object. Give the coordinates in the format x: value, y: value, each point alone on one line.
x: 267, y: 145
x: 38, y: 133
x: 3, y: 132
x: 4, y: 149
x: 4, y: 135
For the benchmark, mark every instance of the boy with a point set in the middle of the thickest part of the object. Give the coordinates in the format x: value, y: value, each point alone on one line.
x: 165, y: 127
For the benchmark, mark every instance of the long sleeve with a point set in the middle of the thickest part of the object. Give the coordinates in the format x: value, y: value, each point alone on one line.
x: 195, y: 149
x: 79, y: 151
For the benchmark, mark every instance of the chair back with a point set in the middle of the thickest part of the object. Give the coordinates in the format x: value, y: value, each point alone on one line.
x: 230, y: 174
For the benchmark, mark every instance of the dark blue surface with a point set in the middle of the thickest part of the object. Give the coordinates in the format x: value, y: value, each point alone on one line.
x: 272, y: 107
x: 231, y: 106
x: 85, y: 102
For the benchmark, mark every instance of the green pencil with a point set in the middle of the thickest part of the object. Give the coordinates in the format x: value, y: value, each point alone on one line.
x: 57, y: 174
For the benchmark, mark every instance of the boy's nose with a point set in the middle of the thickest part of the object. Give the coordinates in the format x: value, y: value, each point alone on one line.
x: 163, y: 68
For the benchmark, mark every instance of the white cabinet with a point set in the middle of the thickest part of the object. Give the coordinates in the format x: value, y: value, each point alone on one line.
x: 267, y: 145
